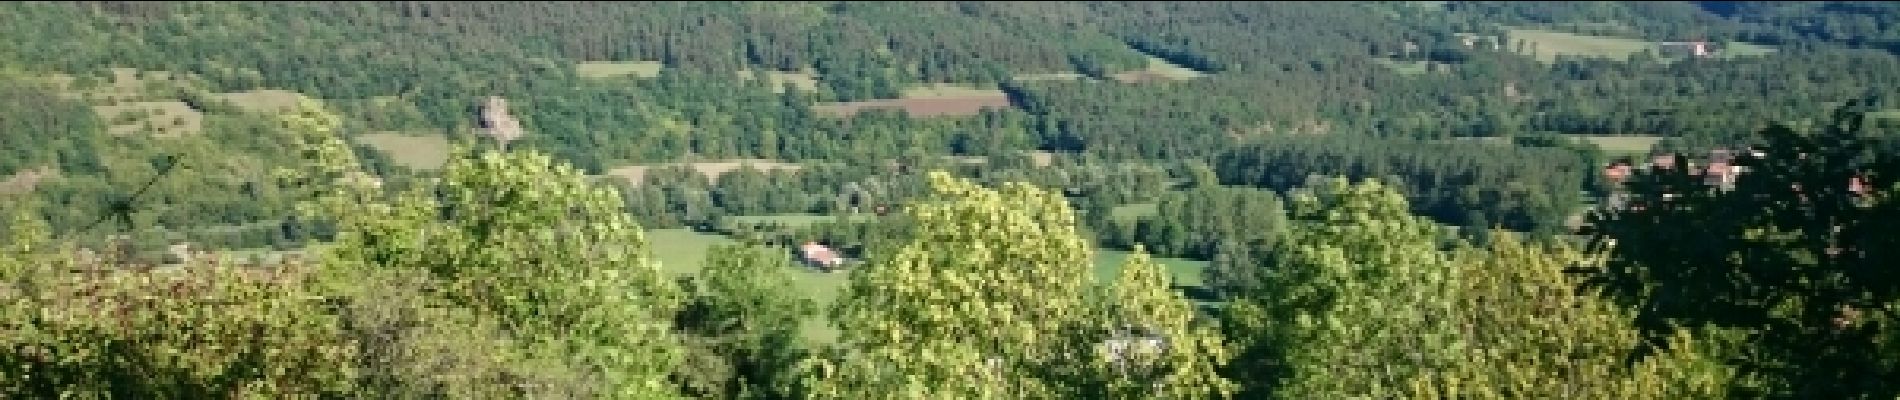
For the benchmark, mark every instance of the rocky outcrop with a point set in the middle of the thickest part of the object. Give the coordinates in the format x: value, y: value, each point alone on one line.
x: 498, y: 123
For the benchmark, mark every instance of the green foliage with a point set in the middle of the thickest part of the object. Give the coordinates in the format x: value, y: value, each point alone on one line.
x: 514, y: 237
x: 1790, y: 255
x: 989, y: 298
x: 741, y: 325
x: 1526, y: 330
x: 40, y: 130
x: 1349, y: 306
x: 204, y: 331
x: 1467, y: 184
x: 1181, y: 361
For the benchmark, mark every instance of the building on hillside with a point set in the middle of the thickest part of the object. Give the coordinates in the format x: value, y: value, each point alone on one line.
x: 1692, y: 49
x: 819, y: 256
x: 1721, y: 173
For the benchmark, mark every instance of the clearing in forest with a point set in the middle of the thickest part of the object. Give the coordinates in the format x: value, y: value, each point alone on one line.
x: 927, y: 101
x: 24, y: 181
x: 1546, y: 45
x: 264, y: 100
x: 804, y: 81
x: 609, y: 69
x: 1055, y: 76
x: 1159, y: 69
x: 1181, y: 271
x: 682, y: 252
x: 636, y: 174
x: 131, y: 101
x: 416, y: 151
x: 793, y: 220
x: 1549, y: 44
x: 1409, y: 68
x: 159, y: 118
x: 1623, y: 144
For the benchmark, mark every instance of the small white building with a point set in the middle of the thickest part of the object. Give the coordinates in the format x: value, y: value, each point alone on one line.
x: 1694, y: 49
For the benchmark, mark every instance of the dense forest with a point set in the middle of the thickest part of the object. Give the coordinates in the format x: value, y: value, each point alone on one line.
x: 1339, y: 171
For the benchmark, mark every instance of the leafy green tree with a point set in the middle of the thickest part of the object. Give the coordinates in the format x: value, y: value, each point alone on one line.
x: 742, y: 326
x: 989, y: 298
x: 1527, y: 330
x: 209, y: 332
x: 1351, y: 308
x: 1158, y: 350
x: 556, y: 262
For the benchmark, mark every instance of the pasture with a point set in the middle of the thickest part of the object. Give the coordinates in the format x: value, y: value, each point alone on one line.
x: 131, y: 101
x: 1159, y: 69
x: 1546, y: 45
x: 948, y: 91
x: 1409, y: 68
x: 926, y: 101
x: 636, y: 174
x: 794, y: 220
x: 264, y: 100
x: 803, y: 81
x: 24, y: 181
x: 159, y: 118
x: 1056, y: 76
x: 416, y: 151
x: 1181, y: 271
x: 682, y: 252
x: 1131, y: 212
x: 1743, y: 49
x: 1630, y: 144
x: 610, y: 69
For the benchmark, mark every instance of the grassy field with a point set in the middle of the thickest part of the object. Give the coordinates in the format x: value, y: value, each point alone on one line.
x: 1183, y: 272
x: 609, y: 69
x: 636, y: 174
x: 1885, y: 114
x: 1159, y: 69
x: 160, y: 118
x: 1408, y: 68
x: 425, y: 152
x: 1129, y: 212
x: 24, y: 181
x: 264, y: 101
x: 683, y: 252
x: 804, y: 81
x: 947, y: 90
x: 131, y: 101
x: 927, y: 100
x: 1550, y: 44
x: 1635, y: 144
x: 793, y: 220
x: 1057, y: 76
x: 1741, y: 49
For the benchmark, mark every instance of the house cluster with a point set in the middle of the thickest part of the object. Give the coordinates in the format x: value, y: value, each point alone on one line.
x: 1720, y: 172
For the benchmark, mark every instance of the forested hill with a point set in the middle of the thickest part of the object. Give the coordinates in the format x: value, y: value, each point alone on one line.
x: 612, y: 85
x: 966, y: 200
